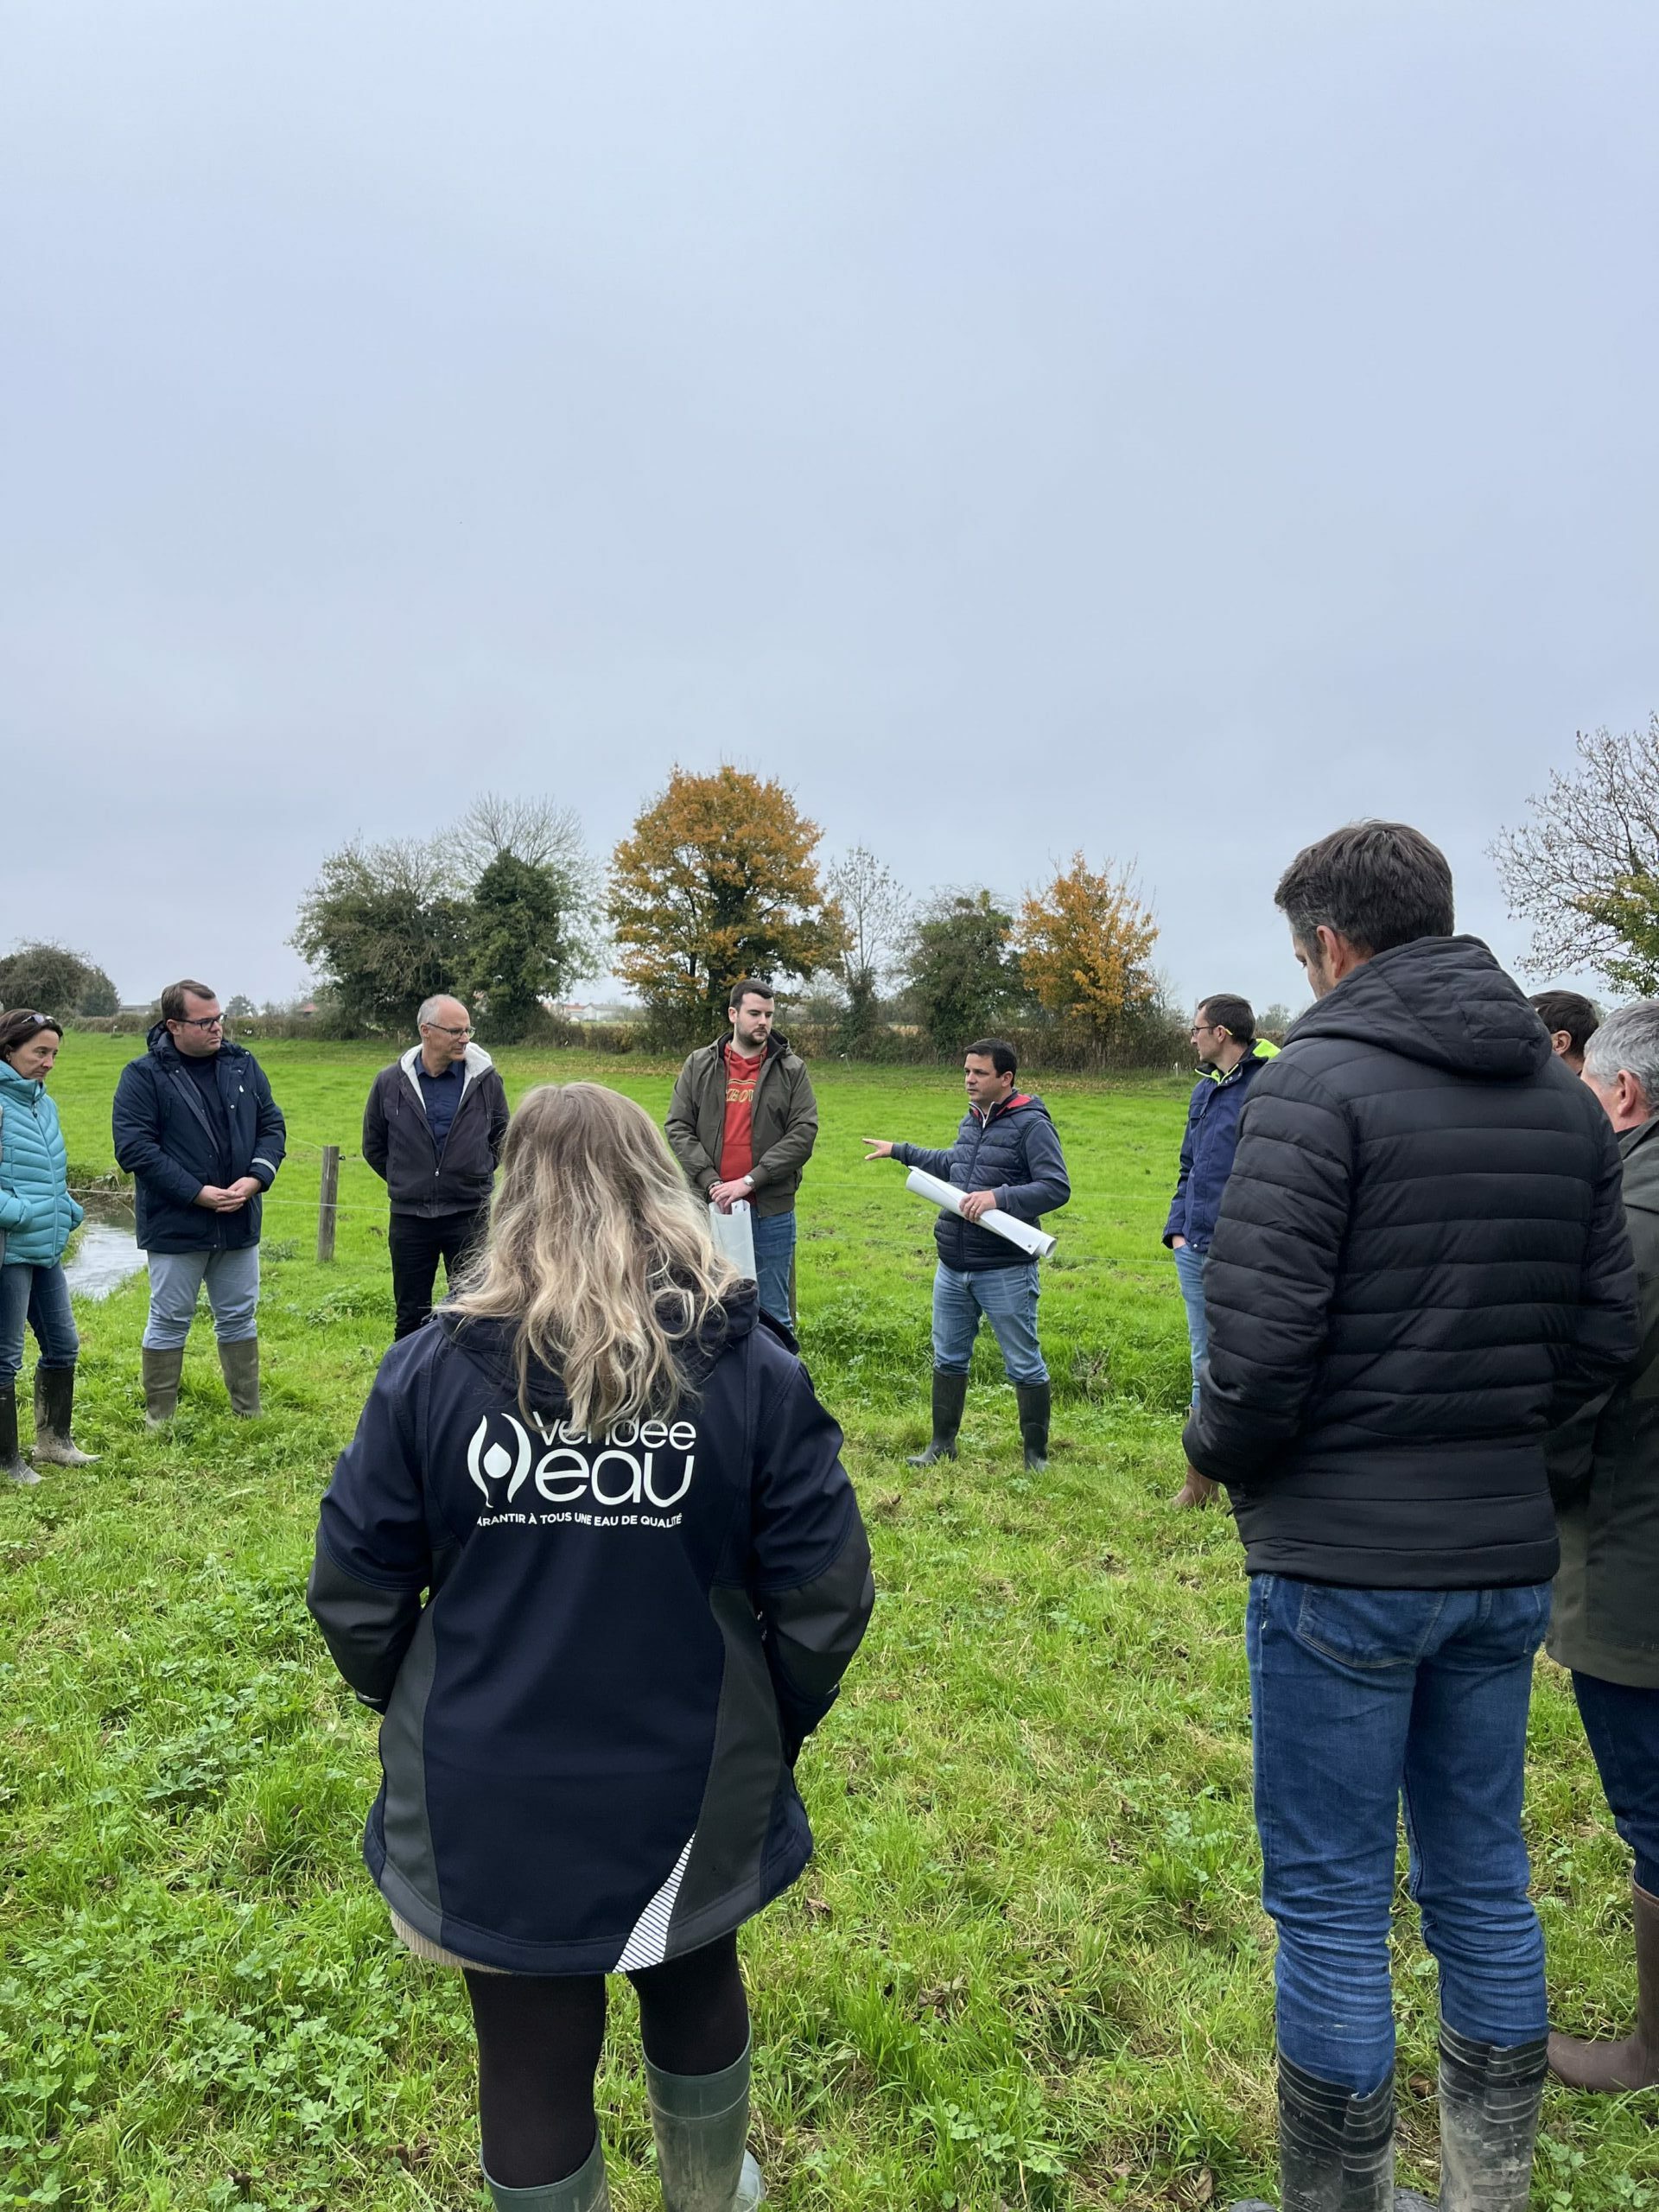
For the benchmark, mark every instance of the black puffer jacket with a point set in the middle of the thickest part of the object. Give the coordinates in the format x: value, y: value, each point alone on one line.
x: 1421, y: 1263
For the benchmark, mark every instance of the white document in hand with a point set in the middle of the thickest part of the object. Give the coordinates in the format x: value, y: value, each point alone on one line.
x: 1029, y: 1238
x: 733, y: 1236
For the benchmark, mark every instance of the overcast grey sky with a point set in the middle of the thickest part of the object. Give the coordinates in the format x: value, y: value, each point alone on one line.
x: 1167, y: 428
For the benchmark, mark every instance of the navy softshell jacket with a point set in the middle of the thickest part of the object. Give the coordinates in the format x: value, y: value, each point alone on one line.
x: 166, y: 1140
x: 591, y: 1722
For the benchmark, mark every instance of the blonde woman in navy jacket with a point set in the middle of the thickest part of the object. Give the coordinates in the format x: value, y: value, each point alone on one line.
x: 593, y: 1555
x: 37, y: 1218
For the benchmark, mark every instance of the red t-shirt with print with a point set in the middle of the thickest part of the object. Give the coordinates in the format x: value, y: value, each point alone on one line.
x: 737, y: 1139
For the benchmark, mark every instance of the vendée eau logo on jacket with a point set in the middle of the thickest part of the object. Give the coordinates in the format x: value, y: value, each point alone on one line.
x: 637, y: 1464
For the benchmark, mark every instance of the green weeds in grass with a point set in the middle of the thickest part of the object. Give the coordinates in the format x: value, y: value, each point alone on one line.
x: 1028, y: 1968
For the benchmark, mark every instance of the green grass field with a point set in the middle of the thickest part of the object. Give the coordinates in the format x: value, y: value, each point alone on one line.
x: 1027, y: 1967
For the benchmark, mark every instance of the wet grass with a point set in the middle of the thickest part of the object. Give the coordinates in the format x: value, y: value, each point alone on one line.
x: 1027, y: 1967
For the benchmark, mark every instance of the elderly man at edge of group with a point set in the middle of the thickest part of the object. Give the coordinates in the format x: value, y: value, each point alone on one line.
x: 1604, y: 1471
x: 432, y: 1130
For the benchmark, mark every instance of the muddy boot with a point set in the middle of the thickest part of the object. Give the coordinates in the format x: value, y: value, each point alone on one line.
x: 585, y: 2190
x: 1034, y: 1400
x: 1632, y: 2063
x: 54, y: 1407
x: 1336, y: 2151
x: 950, y: 1396
x: 239, y: 1363
x: 162, y: 1372
x: 12, y: 1462
x: 1490, y: 2096
x: 1197, y: 1491
x: 702, y: 2124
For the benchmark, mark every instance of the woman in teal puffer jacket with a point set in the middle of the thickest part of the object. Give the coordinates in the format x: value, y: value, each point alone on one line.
x: 37, y: 1216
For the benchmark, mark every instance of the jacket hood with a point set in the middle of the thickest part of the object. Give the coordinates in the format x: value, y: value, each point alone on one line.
x: 777, y: 1044
x: 159, y: 1040
x: 488, y: 1343
x: 1440, y: 1000
x: 477, y: 1061
x: 1019, y: 1102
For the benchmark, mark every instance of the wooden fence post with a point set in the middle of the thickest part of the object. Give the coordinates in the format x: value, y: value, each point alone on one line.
x: 327, y: 1202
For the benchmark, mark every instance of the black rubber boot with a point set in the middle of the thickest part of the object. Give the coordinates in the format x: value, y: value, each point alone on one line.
x: 1490, y: 2096
x: 54, y: 1416
x: 1336, y: 2151
x: 12, y: 1462
x: 1034, y: 1400
x: 950, y: 1396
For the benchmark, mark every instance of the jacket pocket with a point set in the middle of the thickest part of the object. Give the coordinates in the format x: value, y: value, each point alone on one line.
x: 1370, y: 1629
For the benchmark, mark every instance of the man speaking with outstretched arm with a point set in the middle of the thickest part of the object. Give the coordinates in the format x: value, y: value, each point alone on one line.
x: 1008, y: 1155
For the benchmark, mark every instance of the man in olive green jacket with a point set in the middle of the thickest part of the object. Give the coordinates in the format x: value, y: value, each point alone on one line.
x: 742, y: 1122
x: 1605, y: 1625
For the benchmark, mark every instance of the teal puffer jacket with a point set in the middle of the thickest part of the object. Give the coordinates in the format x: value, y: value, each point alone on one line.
x: 36, y: 1211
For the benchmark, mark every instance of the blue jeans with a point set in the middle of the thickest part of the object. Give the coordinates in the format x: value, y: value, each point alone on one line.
x: 37, y: 1297
x: 176, y: 1281
x: 1623, y: 1725
x: 774, y: 1248
x: 1007, y: 1297
x: 1189, y: 1273
x: 1359, y: 1697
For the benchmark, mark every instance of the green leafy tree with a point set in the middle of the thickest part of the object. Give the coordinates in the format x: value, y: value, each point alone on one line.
x: 524, y: 947
x: 717, y: 879
x: 964, y: 979
x: 385, y: 926
x: 54, y: 980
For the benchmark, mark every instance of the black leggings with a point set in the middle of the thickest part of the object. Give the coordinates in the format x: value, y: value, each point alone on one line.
x: 539, y: 2039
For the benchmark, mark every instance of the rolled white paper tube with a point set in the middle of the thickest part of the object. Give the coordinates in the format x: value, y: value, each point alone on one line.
x: 1025, y: 1234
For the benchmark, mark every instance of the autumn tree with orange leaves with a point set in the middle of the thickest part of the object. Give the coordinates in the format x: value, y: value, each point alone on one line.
x: 717, y: 879
x: 1086, y: 946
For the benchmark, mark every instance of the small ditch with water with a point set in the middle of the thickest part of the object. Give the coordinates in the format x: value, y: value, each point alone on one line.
x: 106, y: 1251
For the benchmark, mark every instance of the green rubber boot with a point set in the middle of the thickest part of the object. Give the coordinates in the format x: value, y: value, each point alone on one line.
x: 239, y: 1364
x: 585, y: 2190
x: 702, y: 2124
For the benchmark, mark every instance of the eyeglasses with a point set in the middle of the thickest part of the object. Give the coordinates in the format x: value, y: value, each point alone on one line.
x: 444, y: 1030
x: 199, y: 1020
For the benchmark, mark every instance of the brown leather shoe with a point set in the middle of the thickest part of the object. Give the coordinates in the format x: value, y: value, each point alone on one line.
x: 1633, y: 2062
x: 1196, y: 1490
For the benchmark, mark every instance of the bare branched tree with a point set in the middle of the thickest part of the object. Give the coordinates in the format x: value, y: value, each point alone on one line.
x: 533, y: 830
x: 1575, y: 871
x: 876, y: 908
x: 877, y: 912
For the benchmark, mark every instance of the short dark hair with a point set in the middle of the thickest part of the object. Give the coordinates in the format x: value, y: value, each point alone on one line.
x: 1568, y: 1010
x: 1378, y: 884
x: 22, y: 1026
x: 750, y: 987
x: 173, y: 998
x: 997, y: 1050
x: 1225, y: 1010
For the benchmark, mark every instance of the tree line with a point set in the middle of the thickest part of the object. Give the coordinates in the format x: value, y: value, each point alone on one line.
x: 721, y: 874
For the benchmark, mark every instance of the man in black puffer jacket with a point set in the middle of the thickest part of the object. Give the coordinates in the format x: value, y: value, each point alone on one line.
x: 1420, y: 1266
x: 1005, y: 1155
